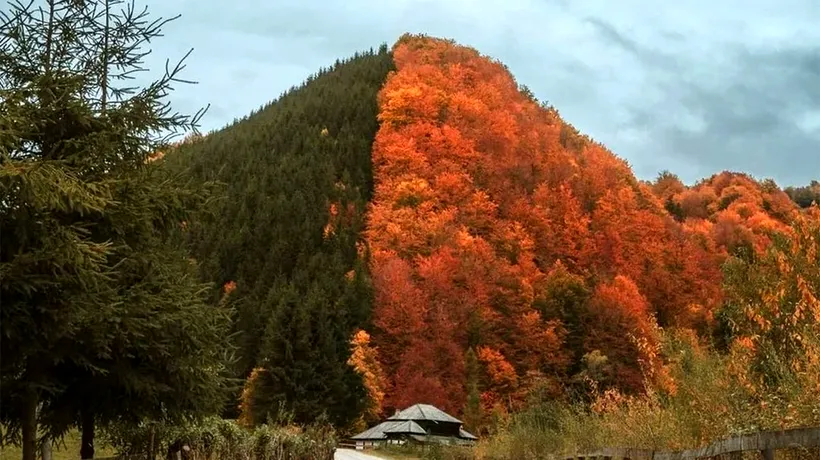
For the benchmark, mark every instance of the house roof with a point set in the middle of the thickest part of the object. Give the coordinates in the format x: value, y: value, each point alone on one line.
x: 425, y: 412
x: 404, y: 422
x: 464, y: 434
x: 381, y: 430
x: 405, y: 427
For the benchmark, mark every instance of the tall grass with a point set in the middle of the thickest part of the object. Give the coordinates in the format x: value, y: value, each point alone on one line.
x: 710, y: 401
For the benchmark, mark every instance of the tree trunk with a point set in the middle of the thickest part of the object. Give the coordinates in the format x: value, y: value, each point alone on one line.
x: 45, y: 449
x: 29, y: 427
x: 151, y: 449
x: 87, y: 446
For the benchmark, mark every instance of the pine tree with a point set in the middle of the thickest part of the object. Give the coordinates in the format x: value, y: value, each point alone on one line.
x: 288, y: 228
x: 103, y: 318
x: 472, y: 410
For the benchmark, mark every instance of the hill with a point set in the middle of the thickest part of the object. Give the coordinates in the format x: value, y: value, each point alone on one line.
x: 490, y: 251
x: 282, y: 237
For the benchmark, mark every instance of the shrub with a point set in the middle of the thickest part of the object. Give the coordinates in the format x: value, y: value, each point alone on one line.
x: 215, y: 438
x: 707, y: 404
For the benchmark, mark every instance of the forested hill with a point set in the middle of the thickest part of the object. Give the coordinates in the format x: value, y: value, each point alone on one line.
x: 287, y: 171
x: 487, y: 250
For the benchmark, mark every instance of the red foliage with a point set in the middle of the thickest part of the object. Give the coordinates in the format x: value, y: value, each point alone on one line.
x: 620, y: 321
x: 479, y: 192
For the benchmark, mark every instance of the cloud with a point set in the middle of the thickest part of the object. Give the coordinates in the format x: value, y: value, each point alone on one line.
x: 694, y: 87
x: 749, y: 113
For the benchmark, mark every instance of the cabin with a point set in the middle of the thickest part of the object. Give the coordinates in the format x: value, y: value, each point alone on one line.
x: 421, y: 423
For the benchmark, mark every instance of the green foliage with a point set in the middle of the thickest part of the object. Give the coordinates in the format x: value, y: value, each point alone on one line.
x: 565, y: 297
x: 773, y: 309
x: 806, y: 195
x: 425, y: 452
x: 287, y: 230
x: 215, y: 438
x: 675, y: 209
x: 472, y: 410
x: 103, y: 317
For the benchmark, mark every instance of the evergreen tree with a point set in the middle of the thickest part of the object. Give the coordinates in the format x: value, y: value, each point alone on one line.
x: 472, y: 410
x: 288, y: 230
x: 805, y: 196
x: 102, y: 316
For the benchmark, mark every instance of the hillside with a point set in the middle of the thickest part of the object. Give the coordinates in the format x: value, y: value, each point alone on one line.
x: 282, y: 236
x: 500, y: 236
x: 491, y: 252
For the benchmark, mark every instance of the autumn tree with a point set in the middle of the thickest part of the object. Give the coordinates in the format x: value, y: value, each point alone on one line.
x: 772, y: 300
x: 623, y: 330
x: 365, y: 360
x: 491, y: 228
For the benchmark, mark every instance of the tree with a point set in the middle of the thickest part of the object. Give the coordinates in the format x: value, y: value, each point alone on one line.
x: 773, y: 307
x: 300, y: 355
x: 365, y: 361
x: 103, y: 318
x: 624, y: 331
x: 472, y: 410
x: 290, y: 216
x: 564, y: 296
x: 806, y: 195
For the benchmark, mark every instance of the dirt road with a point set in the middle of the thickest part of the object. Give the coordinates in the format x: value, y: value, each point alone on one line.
x: 350, y: 454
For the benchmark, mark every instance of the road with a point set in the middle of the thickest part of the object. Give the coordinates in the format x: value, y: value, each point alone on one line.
x: 350, y: 454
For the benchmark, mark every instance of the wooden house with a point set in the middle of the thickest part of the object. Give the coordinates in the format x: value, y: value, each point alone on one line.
x: 421, y: 423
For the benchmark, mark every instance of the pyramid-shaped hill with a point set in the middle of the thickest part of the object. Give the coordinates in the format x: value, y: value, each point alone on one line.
x: 421, y: 194
x: 282, y: 232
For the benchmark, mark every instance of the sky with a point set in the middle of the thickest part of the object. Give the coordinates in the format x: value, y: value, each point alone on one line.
x: 692, y: 86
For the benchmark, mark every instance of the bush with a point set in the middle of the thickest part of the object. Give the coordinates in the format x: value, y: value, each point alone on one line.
x: 220, y: 439
x: 706, y: 404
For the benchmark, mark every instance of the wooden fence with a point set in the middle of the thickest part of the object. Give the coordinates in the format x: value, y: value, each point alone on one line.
x: 765, y: 442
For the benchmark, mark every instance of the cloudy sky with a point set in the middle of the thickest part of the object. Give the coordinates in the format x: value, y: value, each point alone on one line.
x: 692, y: 86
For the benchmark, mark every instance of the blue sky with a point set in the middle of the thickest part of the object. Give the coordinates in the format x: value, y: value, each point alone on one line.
x: 691, y: 86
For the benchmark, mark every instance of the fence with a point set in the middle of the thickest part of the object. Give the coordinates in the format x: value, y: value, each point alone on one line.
x: 765, y: 442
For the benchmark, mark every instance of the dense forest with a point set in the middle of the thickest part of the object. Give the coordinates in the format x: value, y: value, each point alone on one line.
x: 485, y: 250
x: 285, y: 239
x: 409, y: 225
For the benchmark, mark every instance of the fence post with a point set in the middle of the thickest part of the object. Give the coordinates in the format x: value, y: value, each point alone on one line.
x: 768, y: 453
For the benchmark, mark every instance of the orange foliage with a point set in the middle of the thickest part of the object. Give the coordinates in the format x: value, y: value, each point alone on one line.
x: 364, y: 360
x: 623, y: 331
x: 246, y: 415
x: 479, y: 194
x: 745, y: 212
x: 502, y: 376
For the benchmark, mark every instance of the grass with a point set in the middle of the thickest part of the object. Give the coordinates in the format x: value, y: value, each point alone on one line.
x: 68, y: 449
x: 391, y: 454
x: 417, y: 452
x: 709, y: 403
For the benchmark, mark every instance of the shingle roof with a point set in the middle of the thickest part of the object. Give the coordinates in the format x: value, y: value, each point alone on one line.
x: 393, y: 427
x: 425, y: 412
x: 405, y: 427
